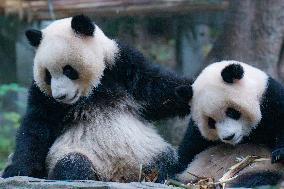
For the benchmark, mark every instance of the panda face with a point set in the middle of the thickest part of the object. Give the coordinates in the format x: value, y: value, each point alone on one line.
x: 71, y: 55
x: 226, y: 100
x: 228, y: 125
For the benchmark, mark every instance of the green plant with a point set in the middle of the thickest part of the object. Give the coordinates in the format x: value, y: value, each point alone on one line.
x: 5, y: 88
x: 9, y: 122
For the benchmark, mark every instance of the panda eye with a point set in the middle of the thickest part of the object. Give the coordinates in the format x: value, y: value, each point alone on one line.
x: 211, y: 123
x: 70, y: 72
x: 47, y: 77
x: 232, y: 113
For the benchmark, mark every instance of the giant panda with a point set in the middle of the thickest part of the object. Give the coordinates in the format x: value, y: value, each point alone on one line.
x: 234, y: 103
x: 91, y: 109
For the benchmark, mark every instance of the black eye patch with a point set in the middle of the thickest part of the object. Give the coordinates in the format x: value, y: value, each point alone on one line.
x: 47, y: 77
x: 211, y: 123
x: 232, y: 113
x: 70, y: 72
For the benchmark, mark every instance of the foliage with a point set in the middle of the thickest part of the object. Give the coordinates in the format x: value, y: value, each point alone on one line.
x: 9, y: 121
x: 140, y: 32
x: 160, y: 52
x: 5, y: 88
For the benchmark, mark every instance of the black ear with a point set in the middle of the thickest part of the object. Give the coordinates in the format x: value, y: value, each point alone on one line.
x: 82, y: 25
x: 232, y: 72
x: 184, y: 93
x: 34, y: 37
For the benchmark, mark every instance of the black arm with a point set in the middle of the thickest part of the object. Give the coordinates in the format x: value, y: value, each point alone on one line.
x: 192, y: 144
x: 150, y: 85
x: 35, y: 136
x: 278, y: 149
x: 156, y: 90
x: 272, y: 123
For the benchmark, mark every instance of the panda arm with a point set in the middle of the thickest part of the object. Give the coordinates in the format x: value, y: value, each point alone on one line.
x: 278, y: 149
x: 151, y: 86
x: 272, y: 109
x: 157, y: 90
x: 33, y: 138
x: 192, y: 144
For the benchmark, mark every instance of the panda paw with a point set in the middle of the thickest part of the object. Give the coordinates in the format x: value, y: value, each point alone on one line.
x: 278, y: 156
x: 22, y: 170
x: 13, y: 170
x: 184, y: 93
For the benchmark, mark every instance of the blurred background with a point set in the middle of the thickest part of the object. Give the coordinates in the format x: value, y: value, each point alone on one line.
x: 182, y: 35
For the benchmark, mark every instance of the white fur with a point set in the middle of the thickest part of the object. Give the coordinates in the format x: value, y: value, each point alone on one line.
x: 212, y: 96
x: 117, y: 146
x: 64, y: 86
x: 216, y: 161
x: 230, y: 127
x: 88, y: 55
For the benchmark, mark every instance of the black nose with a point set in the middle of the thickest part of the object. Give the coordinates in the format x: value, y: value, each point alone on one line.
x: 61, y: 97
x: 229, y: 137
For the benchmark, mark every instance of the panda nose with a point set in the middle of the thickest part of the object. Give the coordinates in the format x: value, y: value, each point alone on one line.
x: 62, y: 97
x: 229, y: 137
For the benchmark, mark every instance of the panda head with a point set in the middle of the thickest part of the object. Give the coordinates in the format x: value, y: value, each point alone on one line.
x: 71, y: 55
x: 226, y: 100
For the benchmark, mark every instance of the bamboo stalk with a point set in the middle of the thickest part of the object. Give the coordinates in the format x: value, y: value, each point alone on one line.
x: 237, y: 168
x: 178, y: 184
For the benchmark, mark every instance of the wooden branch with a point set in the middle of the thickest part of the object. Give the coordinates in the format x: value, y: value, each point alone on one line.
x: 105, y: 8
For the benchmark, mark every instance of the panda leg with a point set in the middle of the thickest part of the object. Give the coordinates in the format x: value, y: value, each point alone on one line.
x: 74, y: 166
x: 255, y: 179
x: 165, y: 165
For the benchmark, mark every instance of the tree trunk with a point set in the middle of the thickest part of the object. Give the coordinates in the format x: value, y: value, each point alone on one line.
x: 253, y: 33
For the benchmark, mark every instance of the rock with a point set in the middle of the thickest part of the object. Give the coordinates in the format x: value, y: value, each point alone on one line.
x: 34, y: 183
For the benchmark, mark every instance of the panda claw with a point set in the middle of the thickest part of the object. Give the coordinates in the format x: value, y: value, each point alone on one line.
x: 278, y: 156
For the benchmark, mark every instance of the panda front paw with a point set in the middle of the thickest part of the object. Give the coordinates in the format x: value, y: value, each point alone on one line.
x: 22, y: 170
x: 184, y: 93
x: 278, y: 156
x: 13, y: 170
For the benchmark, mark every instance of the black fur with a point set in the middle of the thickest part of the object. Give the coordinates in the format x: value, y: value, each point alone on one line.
x: 47, y: 78
x: 184, y: 92
x: 272, y: 122
x: 233, y: 113
x: 270, y: 130
x: 82, y: 25
x: 232, y: 72
x: 192, y: 144
x: 41, y: 125
x: 151, y: 86
x: 74, y: 166
x: 34, y: 37
x: 254, y: 179
x: 165, y: 164
x: 70, y: 72
x: 131, y: 75
x: 211, y: 123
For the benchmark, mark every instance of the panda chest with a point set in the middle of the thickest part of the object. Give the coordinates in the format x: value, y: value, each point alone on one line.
x: 116, y: 143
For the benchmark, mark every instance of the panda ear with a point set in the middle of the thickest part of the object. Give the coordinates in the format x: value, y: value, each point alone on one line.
x: 82, y: 25
x: 232, y: 72
x: 34, y: 37
x: 184, y: 93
